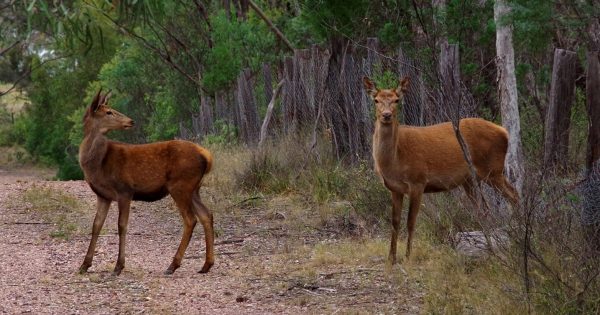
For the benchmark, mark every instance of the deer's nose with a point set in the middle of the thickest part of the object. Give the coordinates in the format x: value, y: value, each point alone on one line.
x: 387, y: 115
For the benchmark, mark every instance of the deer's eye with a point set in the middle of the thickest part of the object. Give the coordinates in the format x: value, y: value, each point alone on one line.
x: 109, y: 113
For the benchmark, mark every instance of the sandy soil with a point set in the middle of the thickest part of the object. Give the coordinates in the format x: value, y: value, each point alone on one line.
x: 261, y: 267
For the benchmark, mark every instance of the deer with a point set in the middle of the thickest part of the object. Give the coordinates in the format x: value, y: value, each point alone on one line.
x: 416, y: 160
x: 122, y: 172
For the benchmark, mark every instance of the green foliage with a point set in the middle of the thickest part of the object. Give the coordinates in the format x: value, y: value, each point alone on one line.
x: 161, y: 124
x: 533, y: 22
x: 236, y: 44
x: 225, y: 134
x: 335, y: 18
x: 56, y: 91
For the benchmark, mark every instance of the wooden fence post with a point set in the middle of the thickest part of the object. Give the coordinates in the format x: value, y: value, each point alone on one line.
x: 268, y: 81
x: 592, y: 94
x: 449, y: 69
x: 558, y: 115
x: 288, y: 98
x: 413, y: 106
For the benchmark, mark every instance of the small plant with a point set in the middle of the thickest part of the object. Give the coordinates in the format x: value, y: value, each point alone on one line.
x: 264, y: 173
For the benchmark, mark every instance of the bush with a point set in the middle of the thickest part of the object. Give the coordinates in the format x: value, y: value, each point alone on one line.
x: 349, y: 196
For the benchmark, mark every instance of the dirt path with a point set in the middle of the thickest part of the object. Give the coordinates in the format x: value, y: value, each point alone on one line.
x: 262, y: 267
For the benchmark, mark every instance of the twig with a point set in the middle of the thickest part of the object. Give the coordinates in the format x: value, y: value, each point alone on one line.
x: 230, y: 241
x: 27, y: 223
x: 245, y: 200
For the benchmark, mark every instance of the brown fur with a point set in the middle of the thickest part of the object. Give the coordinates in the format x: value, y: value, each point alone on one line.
x: 123, y: 172
x: 416, y: 160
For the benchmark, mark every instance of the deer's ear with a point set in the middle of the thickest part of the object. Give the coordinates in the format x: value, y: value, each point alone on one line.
x: 97, y: 101
x: 106, y: 97
x: 370, y: 87
x: 403, y: 85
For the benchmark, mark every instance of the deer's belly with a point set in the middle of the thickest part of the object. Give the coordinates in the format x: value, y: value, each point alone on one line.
x: 439, y: 184
x: 151, y: 195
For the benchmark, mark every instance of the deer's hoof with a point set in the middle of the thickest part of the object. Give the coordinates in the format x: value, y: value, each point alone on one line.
x: 83, y: 269
x: 117, y: 270
x: 205, y: 268
x: 172, y: 268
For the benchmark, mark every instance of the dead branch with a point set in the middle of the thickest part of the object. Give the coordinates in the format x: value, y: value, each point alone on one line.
x: 271, y: 25
x: 267, y: 120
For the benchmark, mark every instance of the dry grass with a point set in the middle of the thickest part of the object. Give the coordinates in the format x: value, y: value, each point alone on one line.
x: 320, y: 245
x: 15, y: 101
x: 347, y: 220
x: 60, y: 209
x: 14, y: 156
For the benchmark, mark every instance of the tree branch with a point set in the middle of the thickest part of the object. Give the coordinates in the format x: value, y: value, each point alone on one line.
x: 5, y: 50
x: 29, y: 71
x: 271, y: 25
x: 164, y: 56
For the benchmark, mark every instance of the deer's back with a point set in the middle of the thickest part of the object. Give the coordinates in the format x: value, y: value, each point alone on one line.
x: 435, y: 156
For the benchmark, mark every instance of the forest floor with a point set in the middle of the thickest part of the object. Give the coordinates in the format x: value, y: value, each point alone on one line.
x: 267, y: 259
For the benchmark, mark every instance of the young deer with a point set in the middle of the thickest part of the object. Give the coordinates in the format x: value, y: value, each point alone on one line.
x: 416, y: 160
x: 123, y: 172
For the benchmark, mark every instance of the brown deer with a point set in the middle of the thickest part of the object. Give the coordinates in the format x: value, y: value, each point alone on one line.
x: 416, y: 160
x: 124, y: 172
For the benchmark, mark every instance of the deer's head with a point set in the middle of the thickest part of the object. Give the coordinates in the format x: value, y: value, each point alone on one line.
x: 100, y: 116
x: 386, y: 101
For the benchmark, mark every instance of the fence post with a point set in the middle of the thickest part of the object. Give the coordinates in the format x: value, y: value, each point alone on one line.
x: 558, y: 115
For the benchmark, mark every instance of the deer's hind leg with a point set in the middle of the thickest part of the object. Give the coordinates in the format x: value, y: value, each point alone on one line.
x: 123, y: 221
x: 206, y: 219
x: 184, y: 203
x: 501, y: 184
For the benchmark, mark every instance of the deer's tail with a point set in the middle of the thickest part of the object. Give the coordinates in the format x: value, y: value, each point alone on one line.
x: 207, y: 157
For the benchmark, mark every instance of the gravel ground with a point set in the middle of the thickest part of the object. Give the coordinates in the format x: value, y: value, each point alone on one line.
x: 256, y: 269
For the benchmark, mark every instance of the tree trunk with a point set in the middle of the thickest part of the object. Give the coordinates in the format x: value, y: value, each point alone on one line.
x: 206, y: 115
x: 507, y: 92
x: 592, y: 93
x: 220, y: 109
x: 227, y: 8
x: 558, y: 115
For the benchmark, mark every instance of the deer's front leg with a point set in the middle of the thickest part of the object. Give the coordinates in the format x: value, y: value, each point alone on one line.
x: 102, y: 206
x: 123, y: 220
x: 413, y: 210
x: 397, y: 199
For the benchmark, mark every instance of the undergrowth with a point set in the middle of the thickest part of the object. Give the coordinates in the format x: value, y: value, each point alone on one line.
x: 352, y: 201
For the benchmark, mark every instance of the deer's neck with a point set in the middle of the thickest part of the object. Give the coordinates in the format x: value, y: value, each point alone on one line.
x: 92, y: 150
x: 385, y: 139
